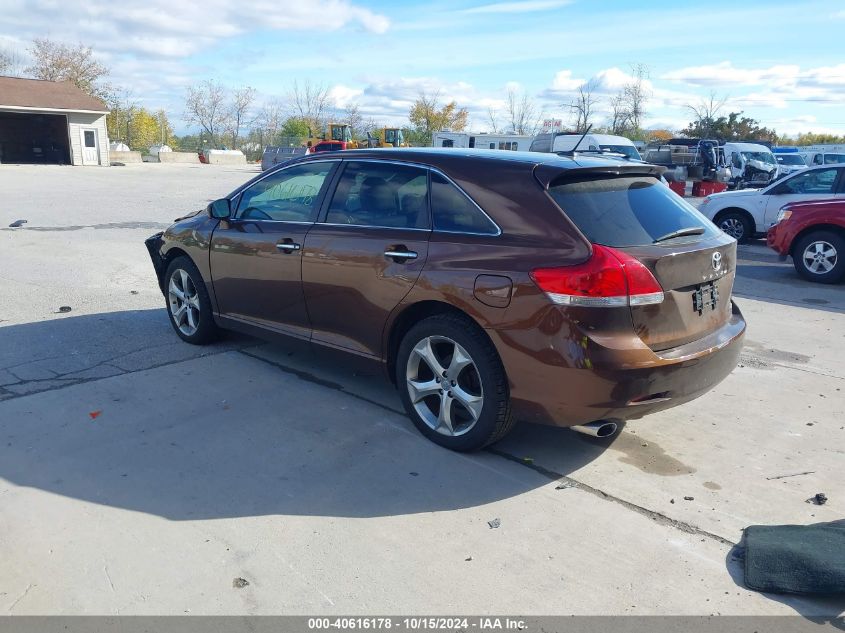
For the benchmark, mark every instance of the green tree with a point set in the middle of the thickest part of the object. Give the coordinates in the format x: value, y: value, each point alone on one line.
x: 733, y: 127
x: 295, y: 127
x: 426, y: 116
x: 59, y: 62
x: 139, y: 128
x: 810, y: 138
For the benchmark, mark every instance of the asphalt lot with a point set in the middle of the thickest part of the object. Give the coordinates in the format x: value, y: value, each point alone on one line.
x: 140, y: 475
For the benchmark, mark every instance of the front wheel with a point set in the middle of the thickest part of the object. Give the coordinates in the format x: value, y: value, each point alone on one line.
x: 188, y: 304
x: 736, y: 225
x: 818, y: 257
x: 452, y: 383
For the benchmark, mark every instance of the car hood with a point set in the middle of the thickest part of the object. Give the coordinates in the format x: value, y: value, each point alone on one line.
x: 734, y: 194
x: 192, y: 214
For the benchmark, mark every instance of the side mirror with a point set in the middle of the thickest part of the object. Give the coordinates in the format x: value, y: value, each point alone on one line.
x: 220, y: 209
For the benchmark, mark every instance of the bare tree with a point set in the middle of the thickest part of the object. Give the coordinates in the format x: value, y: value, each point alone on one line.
x: 270, y: 120
x: 706, y: 112
x: 619, y: 116
x: 493, y: 120
x: 636, y: 94
x: 11, y: 63
x: 238, y: 112
x: 522, y: 112
x: 311, y: 102
x: 354, y: 119
x: 205, y: 105
x: 59, y: 62
x: 583, y: 105
x: 122, y: 104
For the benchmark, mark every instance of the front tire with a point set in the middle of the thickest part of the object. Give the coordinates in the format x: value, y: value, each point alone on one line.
x: 818, y: 257
x: 737, y: 225
x: 188, y: 304
x: 452, y: 383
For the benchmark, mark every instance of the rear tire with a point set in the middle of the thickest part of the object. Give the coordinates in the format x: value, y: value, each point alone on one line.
x: 818, y: 257
x: 736, y: 224
x: 188, y: 304
x: 452, y: 383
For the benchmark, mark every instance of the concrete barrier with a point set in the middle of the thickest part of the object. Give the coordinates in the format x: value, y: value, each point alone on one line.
x: 225, y: 157
x: 124, y: 157
x: 178, y: 157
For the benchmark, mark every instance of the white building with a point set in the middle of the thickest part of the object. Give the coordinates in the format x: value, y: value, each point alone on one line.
x: 51, y: 122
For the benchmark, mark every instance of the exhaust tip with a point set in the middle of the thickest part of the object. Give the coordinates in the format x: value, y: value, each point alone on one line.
x: 606, y: 429
x: 602, y: 428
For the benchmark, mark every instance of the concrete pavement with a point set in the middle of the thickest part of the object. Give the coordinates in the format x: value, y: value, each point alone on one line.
x: 140, y: 475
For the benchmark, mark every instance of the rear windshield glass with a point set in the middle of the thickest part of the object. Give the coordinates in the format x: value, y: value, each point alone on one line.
x: 627, y: 150
x: 628, y: 211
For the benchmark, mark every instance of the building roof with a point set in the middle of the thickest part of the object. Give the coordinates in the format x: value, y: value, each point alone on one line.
x: 49, y: 95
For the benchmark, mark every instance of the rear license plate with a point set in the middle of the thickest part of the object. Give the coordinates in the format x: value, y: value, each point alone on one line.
x: 705, y: 296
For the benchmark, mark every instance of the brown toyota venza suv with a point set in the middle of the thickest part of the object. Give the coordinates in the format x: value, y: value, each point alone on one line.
x: 494, y: 286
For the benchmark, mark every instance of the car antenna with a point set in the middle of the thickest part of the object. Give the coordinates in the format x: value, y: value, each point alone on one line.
x: 587, y: 131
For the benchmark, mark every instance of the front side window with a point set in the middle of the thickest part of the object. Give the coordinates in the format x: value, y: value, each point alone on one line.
x: 816, y: 181
x: 454, y: 212
x: 834, y: 159
x: 289, y: 195
x: 628, y: 211
x: 381, y: 195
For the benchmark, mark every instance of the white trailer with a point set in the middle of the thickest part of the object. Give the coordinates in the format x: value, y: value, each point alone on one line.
x: 469, y: 140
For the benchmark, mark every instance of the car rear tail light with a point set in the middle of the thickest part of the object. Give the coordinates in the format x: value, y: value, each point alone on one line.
x: 610, y: 278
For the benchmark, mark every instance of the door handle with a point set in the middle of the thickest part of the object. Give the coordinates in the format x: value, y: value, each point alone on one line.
x: 403, y: 254
x: 287, y: 247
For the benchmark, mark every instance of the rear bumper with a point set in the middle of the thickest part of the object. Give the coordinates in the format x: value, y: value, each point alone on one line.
x: 154, y: 244
x: 623, y: 384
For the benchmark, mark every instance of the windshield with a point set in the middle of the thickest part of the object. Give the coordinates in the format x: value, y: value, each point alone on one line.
x: 790, y: 159
x: 628, y: 211
x: 628, y: 150
x: 834, y: 159
x: 763, y: 157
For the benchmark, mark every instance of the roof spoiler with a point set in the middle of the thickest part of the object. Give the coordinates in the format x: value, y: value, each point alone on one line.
x: 549, y: 175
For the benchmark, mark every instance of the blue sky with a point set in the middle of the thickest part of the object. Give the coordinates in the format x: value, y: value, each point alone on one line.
x: 780, y: 62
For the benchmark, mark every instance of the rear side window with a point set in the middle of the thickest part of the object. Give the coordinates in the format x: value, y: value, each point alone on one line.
x: 628, y: 210
x: 454, y: 212
x: 381, y: 195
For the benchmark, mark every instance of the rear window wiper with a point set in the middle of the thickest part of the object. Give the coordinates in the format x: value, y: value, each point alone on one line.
x: 690, y: 230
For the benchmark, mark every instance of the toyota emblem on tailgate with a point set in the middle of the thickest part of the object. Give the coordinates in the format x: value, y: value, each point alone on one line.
x: 717, y: 260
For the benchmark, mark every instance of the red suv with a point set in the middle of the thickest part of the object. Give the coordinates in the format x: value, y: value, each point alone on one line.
x: 813, y: 233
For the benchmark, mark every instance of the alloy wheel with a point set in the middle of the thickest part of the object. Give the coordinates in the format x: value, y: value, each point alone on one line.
x: 184, y: 302
x: 733, y: 227
x: 444, y: 385
x: 820, y: 257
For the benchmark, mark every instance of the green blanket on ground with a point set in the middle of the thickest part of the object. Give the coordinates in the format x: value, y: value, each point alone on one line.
x: 805, y: 559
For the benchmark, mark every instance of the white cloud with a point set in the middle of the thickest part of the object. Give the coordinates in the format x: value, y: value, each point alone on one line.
x: 564, y: 81
x: 522, y: 6
x: 726, y: 74
x: 344, y: 95
x: 178, y: 29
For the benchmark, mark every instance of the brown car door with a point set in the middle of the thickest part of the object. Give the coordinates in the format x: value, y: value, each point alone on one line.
x: 366, y: 254
x: 256, y: 256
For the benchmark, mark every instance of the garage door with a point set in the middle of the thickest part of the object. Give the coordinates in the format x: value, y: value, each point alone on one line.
x: 33, y: 138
